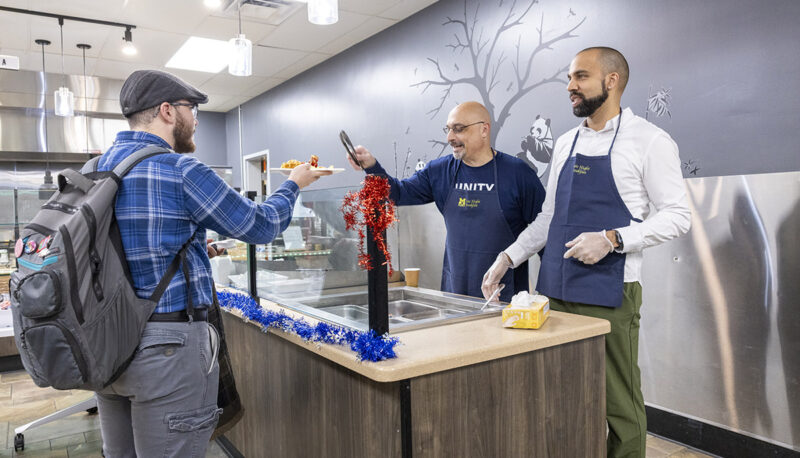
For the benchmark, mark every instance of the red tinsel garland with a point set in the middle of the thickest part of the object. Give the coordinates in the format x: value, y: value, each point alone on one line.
x: 370, y: 206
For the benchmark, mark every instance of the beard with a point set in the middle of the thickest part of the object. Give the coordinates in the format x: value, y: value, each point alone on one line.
x: 587, y: 107
x: 458, y: 155
x: 183, y: 133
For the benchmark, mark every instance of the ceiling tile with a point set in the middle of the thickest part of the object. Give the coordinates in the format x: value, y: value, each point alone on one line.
x: 221, y: 28
x: 297, y: 33
x: 155, y: 47
x: 310, y: 60
x: 105, y: 10
x: 119, y: 69
x: 268, y: 61
x: 14, y: 31
x: 406, y: 8
x: 262, y: 87
x: 223, y: 103
x: 227, y: 84
x: 369, y: 7
x: 367, y: 29
x: 177, y: 16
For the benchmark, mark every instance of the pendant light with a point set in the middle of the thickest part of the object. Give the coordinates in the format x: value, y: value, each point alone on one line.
x: 241, y: 60
x: 83, y: 47
x: 65, y: 100
x: 323, y: 12
x: 47, y: 188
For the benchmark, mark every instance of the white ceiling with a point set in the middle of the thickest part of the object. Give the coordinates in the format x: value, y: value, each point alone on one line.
x: 282, y: 46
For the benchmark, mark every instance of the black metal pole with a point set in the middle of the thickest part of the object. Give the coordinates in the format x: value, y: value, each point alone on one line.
x: 251, y: 260
x: 377, y: 287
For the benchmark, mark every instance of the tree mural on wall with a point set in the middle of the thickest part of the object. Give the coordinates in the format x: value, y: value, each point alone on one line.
x: 487, y: 67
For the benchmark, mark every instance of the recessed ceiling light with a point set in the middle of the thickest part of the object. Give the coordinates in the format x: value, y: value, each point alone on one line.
x: 201, y: 55
x: 213, y: 4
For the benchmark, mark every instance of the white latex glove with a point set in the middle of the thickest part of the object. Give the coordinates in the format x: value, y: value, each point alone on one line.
x: 589, y: 247
x: 492, y: 277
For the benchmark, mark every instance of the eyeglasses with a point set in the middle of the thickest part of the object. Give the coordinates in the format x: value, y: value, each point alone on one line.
x: 193, y: 106
x: 458, y: 128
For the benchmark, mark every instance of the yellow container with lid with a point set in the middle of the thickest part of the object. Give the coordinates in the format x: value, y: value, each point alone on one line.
x: 526, y: 311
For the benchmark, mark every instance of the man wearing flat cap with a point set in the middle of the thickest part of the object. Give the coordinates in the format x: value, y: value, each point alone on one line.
x: 166, y: 401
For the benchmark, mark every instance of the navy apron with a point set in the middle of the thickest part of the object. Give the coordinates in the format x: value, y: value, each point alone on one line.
x: 587, y: 200
x: 476, y: 232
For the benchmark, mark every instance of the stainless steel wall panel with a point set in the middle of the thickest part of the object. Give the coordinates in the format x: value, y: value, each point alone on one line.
x: 720, y: 321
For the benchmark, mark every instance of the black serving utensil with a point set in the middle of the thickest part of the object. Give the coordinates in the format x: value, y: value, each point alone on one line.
x: 348, y: 145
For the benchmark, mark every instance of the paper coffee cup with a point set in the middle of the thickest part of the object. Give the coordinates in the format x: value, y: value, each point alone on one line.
x: 412, y: 276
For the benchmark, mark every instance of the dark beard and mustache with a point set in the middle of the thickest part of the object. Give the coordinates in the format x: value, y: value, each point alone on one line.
x: 183, y: 133
x: 587, y: 107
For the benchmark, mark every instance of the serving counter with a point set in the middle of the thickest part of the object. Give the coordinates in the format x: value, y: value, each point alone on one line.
x: 469, y: 388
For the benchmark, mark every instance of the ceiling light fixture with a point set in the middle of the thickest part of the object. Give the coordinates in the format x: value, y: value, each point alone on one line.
x: 64, y: 98
x: 83, y: 47
x: 323, y: 12
x: 127, y: 43
x: 241, y: 60
x: 212, y: 4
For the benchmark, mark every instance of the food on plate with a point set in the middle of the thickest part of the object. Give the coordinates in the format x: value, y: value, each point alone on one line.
x: 292, y: 163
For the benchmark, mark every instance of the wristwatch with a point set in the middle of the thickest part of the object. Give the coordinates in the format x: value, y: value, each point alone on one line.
x: 620, y: 244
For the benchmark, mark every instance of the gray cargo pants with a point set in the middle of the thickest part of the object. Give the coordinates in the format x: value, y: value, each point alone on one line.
x: 165, y: 403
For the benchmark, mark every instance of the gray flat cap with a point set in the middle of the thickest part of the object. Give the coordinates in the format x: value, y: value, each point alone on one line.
x: 148, y: 88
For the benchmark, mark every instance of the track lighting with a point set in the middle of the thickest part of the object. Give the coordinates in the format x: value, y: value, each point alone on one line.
x: 127, y: 46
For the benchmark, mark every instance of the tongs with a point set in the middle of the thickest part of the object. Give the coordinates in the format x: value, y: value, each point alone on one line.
x: 494, y: 294
x: 348, y: 145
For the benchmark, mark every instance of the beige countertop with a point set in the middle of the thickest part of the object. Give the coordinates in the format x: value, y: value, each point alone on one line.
x: 437, y: 349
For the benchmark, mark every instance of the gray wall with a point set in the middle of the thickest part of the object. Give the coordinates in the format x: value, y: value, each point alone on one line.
x: 210, y: 139
x: 726, y: 65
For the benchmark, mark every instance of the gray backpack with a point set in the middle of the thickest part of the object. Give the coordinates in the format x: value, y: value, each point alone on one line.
x: 77, y: 319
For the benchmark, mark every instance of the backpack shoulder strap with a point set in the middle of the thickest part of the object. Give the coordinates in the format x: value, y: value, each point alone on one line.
x: 90, y: 165
x: 130, y: 162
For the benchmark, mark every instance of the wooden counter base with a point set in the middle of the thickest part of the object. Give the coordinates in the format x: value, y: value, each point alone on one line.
x: 549, y: 402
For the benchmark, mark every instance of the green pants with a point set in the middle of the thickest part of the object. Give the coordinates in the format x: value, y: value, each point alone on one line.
x: 627, y: 423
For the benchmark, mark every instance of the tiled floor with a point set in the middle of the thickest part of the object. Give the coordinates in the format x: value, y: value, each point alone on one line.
x: 21, y: 401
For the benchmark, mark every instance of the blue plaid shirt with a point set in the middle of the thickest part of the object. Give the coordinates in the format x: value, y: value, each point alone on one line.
x: 168, y: 198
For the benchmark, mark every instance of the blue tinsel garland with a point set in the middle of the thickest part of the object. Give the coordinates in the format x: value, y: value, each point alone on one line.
x: 368, y: 345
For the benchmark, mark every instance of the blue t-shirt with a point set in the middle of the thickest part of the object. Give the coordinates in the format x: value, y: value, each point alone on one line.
x: 519, y: 189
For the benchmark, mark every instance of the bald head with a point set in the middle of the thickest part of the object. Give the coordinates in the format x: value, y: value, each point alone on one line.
x: 612, y: 61
x: 473, y: 110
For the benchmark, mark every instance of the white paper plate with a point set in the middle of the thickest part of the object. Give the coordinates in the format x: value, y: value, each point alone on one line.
x: 288, y: 171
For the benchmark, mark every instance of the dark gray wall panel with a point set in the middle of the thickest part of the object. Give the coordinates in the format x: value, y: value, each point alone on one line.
x: 725, y: 64
x: 210, y: 139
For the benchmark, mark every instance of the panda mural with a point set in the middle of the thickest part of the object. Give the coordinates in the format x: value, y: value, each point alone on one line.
x: 537, y: 147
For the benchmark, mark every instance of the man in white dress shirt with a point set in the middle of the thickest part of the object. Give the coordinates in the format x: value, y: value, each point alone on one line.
x: 595, y: 222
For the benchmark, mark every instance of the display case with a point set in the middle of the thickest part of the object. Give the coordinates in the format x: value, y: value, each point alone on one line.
x: 312, y: 267
x: 313, y: 256
x: 20, y: 206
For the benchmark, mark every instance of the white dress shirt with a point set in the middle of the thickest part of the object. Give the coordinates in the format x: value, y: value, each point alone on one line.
x: 646, y: 170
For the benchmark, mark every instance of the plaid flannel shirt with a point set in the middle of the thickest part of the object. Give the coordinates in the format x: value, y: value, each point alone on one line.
x: 168, y: 198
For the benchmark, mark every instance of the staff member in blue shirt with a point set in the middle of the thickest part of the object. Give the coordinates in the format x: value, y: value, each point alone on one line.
x: 487, y: 199
x: 165, y: 403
